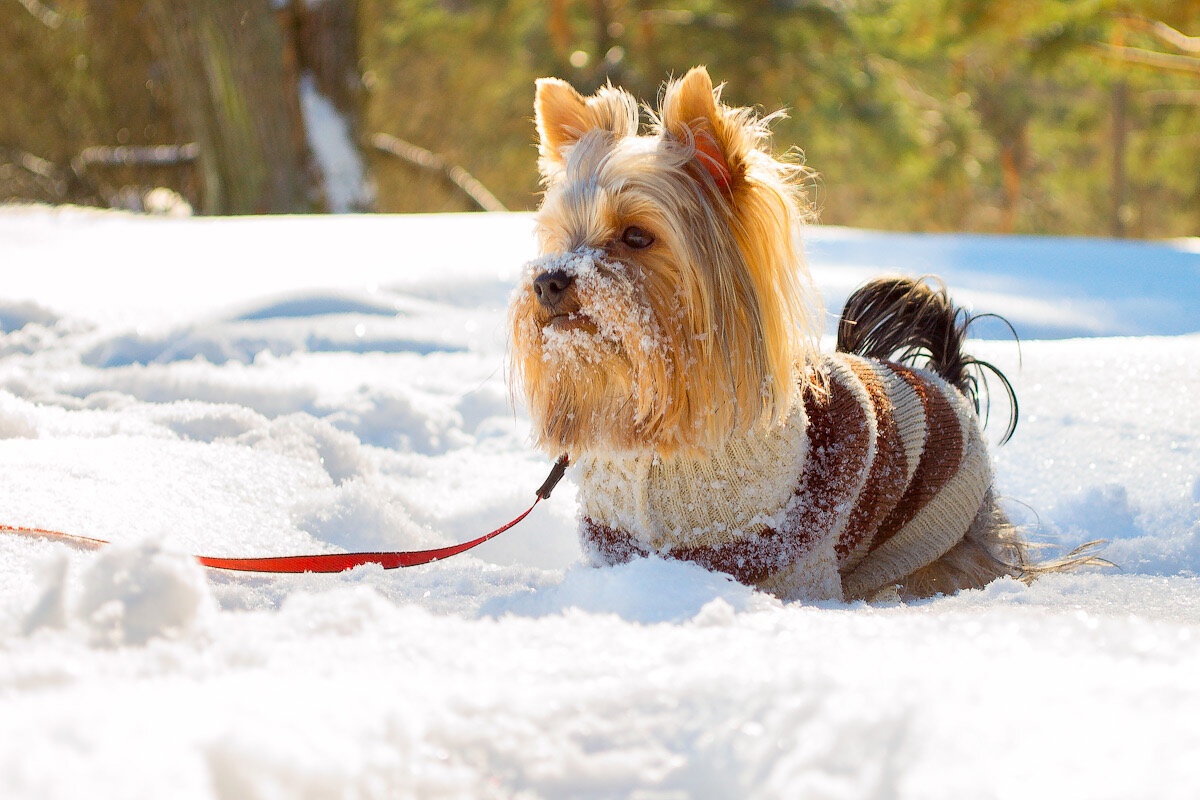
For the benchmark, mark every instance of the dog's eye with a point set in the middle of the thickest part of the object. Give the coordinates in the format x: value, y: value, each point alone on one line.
x: 637, y: 238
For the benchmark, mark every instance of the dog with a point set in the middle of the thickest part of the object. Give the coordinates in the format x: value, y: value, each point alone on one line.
x: 667, y: 340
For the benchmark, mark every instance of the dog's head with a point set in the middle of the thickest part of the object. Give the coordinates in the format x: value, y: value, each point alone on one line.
x: 670, y: 306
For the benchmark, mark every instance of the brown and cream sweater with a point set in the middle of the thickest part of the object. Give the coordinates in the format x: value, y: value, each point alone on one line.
x: 859, y: 487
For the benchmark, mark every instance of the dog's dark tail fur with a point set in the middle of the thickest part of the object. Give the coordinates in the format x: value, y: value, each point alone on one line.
x: 912, y: 321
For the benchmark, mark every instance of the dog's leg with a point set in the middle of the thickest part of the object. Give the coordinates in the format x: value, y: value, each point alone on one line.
x: 992, y: 548
x: 812, y: 578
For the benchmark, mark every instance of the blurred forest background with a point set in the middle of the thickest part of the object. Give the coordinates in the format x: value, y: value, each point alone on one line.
x: 1062, y: 116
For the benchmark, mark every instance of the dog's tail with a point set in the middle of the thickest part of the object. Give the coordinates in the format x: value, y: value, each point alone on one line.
x: 912, y: 321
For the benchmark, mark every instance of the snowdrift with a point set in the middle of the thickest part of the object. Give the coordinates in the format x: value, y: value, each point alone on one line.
x: 269, y: 386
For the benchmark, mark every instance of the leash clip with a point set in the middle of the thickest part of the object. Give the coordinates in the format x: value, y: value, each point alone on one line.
x: 556, y: 473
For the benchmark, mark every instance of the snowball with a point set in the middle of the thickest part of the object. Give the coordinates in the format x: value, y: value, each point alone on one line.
x: 132, y: 594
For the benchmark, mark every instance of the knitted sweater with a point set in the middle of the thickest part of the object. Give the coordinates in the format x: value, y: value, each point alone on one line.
x: 859, y: 487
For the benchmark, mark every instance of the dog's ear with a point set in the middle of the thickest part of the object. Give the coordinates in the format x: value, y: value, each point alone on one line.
x: 691, y: 113
x: 564, y: 116
x: 561, y: 114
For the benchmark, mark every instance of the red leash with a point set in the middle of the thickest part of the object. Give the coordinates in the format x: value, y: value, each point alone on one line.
x: 327, y: 562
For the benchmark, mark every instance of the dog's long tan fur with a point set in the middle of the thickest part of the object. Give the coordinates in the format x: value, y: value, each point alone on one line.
x: 670, y: 328
x: 732, y: 304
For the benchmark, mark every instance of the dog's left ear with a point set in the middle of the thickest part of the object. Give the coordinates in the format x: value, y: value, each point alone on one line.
x: 691, y: 112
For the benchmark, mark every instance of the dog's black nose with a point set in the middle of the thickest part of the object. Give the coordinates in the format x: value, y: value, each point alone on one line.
x: 550, y: 286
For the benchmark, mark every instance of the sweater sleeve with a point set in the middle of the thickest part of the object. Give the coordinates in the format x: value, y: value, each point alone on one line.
x: 945, y: 490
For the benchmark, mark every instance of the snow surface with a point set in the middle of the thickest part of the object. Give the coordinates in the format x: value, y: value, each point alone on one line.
x: 282, y: 385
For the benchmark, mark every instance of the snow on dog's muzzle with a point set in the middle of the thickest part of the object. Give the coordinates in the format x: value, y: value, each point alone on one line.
x: 587, y: 299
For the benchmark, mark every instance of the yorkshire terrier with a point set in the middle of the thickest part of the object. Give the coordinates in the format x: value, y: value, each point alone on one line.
x: 667, y: 340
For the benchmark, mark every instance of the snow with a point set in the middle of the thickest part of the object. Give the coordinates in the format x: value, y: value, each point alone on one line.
x: 308, y: 384
x: 332, y: 145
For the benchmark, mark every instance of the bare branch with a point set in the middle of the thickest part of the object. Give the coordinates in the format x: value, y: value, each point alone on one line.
x: 1164, y: 33
x: 32, y: 164
x: 1168, y: 62
x: 157, y: 155
x: 420, y: 157
x: 44, y: 14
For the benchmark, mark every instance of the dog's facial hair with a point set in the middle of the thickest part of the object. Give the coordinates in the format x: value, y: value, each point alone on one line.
x: 676, y: 344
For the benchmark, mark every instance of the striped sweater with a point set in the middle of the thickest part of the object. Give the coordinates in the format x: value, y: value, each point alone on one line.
x: 859, y: 487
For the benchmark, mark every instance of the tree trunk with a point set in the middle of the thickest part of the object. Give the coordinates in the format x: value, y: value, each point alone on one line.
x: 225, y: 59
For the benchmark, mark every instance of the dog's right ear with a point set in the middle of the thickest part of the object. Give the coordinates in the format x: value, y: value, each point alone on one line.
x: 564, y: 116
x: 561, y: 114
